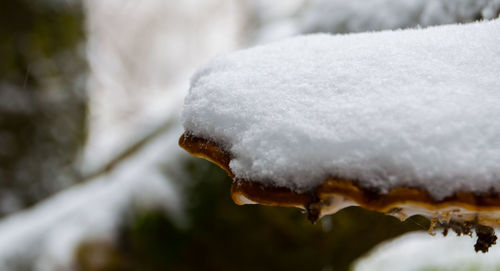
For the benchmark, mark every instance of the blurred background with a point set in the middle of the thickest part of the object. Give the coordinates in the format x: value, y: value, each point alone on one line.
x: 91, y: 177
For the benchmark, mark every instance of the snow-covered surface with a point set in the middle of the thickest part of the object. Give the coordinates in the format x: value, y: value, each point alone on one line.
x: 141, y: 54
x: 421, y: 251
x: 45, y: 236
x: 410, y: 107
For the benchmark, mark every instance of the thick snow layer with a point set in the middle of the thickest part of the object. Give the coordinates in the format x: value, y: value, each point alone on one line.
x: 410, y: 107
x: 421, y: 251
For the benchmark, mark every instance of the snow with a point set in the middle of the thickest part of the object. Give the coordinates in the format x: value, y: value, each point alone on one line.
x: 45, y: 237
x: 138, y: 75
x: 410, y: 107
x: 421, y: 251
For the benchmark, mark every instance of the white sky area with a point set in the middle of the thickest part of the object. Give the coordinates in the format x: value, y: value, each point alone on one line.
x: 141, y: 56
x: 421, y: 251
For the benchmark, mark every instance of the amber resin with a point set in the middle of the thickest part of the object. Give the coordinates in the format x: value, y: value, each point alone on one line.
x: 462, y: 212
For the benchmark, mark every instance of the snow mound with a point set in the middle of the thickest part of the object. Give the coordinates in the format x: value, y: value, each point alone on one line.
x: 421, y: 251
x: 413, y: 107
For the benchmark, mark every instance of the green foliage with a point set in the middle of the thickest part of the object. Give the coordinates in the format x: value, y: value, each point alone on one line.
x: 42, y: 98
x: 32, y: 31
x: 224, y: 236
x: 152, y: 241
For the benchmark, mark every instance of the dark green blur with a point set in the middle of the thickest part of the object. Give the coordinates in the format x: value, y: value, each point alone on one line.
x: 42, y: 99
x: 223, y: 236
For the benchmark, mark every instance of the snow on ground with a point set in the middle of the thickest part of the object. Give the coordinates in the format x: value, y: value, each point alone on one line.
x: 45, y: 236
x: 394, y: 108
x: 421, y: 251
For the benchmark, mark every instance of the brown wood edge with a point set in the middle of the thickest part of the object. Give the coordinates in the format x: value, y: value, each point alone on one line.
x: 348, y: 189
x: 206, y: 149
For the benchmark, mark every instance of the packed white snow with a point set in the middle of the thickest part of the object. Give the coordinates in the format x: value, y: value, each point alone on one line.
x: 421, y: 251
x: 414, y: 107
